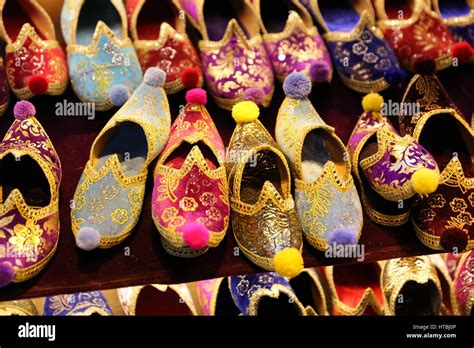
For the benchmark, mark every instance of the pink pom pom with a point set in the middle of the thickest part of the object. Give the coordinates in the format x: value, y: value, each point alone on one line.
x: 24, y: 109
x: 196, y: 96
x: 195, y: 235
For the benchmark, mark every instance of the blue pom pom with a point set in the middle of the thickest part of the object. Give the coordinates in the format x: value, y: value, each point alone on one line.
x: 119, y: 94
x: 7, y: 274
x: 395, y: 75
x: 342, y: 236
x: 297, y: 85
x: 154, y: 77
x: 87, y: 238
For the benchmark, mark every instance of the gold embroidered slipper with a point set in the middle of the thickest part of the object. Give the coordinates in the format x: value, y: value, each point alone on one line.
x: 355, y: 289
x: 443, y: 220
x: 109, y: 196
x: 30, y: 175
x: 390, y: 168
x: 157, y: 299
x: 411, y: 287
x: 264, y: 219
x: 327, y: 202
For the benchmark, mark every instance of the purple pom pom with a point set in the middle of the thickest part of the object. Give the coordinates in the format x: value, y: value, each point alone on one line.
x: 7, y: 274
x: 320, y: 71
x: 24, y: 109
x: 395, y: 75
x: 297, y: 85
x: 87, y: 238
x: 119, y: 94
x: 154, y: 77
x: 342, y: 236
x: 254, y: 94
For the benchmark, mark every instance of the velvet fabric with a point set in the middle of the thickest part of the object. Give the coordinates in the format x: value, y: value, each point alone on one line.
x: 82, y: 303
x: 28, y: 234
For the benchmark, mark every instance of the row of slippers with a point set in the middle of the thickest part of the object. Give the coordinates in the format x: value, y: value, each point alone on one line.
x: 105, y: 65
x: 436, y: 285
x: 198, y: 186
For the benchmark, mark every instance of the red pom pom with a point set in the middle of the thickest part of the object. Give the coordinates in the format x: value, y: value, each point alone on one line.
x: 425, y: 66
x: 37, y: 84
x: 190, y: 77
x: 462, y: 51
x: 196, y: 96
x: 454, y: 239
x: 195, y: 235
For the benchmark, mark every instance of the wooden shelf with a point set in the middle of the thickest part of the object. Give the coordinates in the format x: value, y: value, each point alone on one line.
x: 141, y: 258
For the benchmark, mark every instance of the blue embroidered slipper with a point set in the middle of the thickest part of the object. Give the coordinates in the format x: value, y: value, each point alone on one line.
x: 82, y: 303
x: 109, y: 196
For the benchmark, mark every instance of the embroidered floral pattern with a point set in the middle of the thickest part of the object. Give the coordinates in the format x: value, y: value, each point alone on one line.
x: 109, y: 192
x: 436, y: 201
x: 119, y: 216
x: 458, y: 205
x: 27, y: 240
x: 96, y: 205
x: 188, y: 204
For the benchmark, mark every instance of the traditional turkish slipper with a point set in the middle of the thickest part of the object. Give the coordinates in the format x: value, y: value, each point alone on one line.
x: 4, y: 90
x: 362, y: 57
x: 158, y: 30
x: 190, y: 202
x: 79, y: 304
x: 355, y: 289
x: 157, y: 300
x: 264, y: 218
x: 232, y: 51
x: 292, y: 41
x: 109, y: 196
x: 415, y: 31
x: 327, y: 202
x: 264, y: 294
x: 444, y: 219
x: 30, y: 175
x: 35, y: 62
x: 103, y: 64
x: 411, y: 287
x: 390, y: 168
x: 459, y: 17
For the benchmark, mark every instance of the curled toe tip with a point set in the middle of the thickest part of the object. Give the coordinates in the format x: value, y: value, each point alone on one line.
x: 195, y: 235
x: 154, y: 77
x: 297, y: 85
x: 87, y: 238
x: 454, y: 240
x: 119, y: 95
x: 38, y: 84
x: 288, y: 262
x: 23, y: 110
x: 320, y: 72
x: 343, y: 236
x: 190, y: 77
x: 425, y: 181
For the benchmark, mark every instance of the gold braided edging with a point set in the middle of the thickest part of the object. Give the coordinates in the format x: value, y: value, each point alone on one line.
x: 184, y: 252
x: 365, y: 86
x: 24, y: 274
x: 227, y: 104
x: 433, y: 242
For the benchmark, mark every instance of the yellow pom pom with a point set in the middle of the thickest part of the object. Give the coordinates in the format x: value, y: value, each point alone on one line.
x: 425, y: 181
x: 246, y: 111
x: 372, y: 102
x: 288, y: 262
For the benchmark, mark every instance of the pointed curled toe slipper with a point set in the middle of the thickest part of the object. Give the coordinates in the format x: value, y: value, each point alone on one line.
x: 103, y: 64
x: 390, y: 168
x: 30, y: 174
x: 327, y: 202
x: 190, y: 202
x: 158, y: 30
x: 264, y: 219
x: 109, y: 197
x: 444, y: 219
x: 35, y: 62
